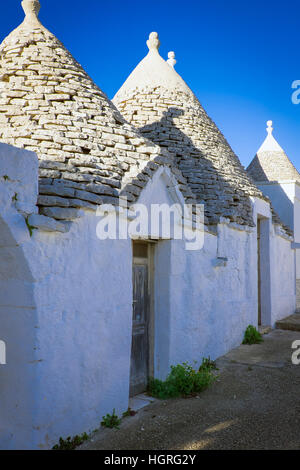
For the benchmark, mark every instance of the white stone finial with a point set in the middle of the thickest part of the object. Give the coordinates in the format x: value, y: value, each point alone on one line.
x: 270, y: 128
x: 171, y: 59
x: 31, y: 9
x: 153, y: 42
x: 270, y: 144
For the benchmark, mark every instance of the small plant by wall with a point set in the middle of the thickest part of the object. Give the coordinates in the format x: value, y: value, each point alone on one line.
x: 184, y: 380
x: 252, y: 336
x: 108, y: 421
x: 71, y: 442
x: 111, y: 421
x: 30, y: 227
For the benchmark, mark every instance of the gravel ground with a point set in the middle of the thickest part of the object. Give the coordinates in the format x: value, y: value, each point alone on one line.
x: 255, y: 404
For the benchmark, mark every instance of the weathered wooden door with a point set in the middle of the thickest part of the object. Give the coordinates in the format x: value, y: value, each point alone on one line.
x: 258, y: 272
x: 264, y: 271
x: 139, y: 369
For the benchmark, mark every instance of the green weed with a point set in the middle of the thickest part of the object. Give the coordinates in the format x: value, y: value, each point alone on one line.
x: 252, y: 336
x: 184, y: 380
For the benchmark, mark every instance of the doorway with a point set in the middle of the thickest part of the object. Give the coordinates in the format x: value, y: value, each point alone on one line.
x: 258, y: 273
x: 141, y: 364
x: 263, y: 272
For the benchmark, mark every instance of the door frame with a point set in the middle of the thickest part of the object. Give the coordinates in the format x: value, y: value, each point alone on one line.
x: 151, y: 319
x: 259, y: 290
x: 264, y: 274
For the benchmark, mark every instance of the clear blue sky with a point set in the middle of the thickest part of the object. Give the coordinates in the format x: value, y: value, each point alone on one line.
x: 239, y: 57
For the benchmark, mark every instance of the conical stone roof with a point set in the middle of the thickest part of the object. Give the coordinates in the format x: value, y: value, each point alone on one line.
x: 87, y: 152
x: 271, y: 163
x: 158, y: 101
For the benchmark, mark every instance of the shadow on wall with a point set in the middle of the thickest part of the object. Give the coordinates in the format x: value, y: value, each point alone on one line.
x: 220, y: 194
x: 282, y: 205
x: 18, y: 323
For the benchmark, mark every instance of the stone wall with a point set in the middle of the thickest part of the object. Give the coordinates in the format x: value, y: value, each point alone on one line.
x: 176, y: 121
x: 67, y: 323
x: 272, y: 166
x: 87, y: 153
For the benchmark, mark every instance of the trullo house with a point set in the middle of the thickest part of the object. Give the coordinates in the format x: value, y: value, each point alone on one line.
x: 85, y: 319
x: 279, y: 180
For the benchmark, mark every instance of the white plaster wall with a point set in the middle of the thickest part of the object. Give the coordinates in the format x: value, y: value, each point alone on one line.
x: 18, y: 314
x: 285, y: 198
x: 18, y: 177
x: 69, y: 352
x: 283, y: 278
x: 210, y: 307
x: 83, y: 295
x: 65, y: 316
x: 203, y: 310
x: 282, y: 196
x: 17, y: 329
x: 70, y: 347
x: 162, y: 308
x: 280, y: 278
x: 200, y: 309
x: 297, y: 229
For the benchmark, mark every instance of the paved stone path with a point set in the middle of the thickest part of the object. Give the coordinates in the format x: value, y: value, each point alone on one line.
x: 255, y: 404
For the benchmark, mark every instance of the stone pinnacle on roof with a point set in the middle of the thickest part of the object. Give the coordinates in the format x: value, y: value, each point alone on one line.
x: 271, y: 162
x: 270, y: 128
x: 153, y: 71
x: 171, y: 59
x: 153, y: 42
x: 270, y: 144
x: 88, y: 154
x: 156, y: 99
x: 31, y: 9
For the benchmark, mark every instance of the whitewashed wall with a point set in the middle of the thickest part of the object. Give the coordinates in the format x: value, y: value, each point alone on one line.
x: 78, y: 338
x: 282, y: 196
x: 209, y: 307
x: 285, y: 198
x: 280, y: 277
x: 18, y: 314
x: 83, y: 296
x: 204, y: 309
x: 283, y: 279
x: 84, y: 299
x: 66, y: 312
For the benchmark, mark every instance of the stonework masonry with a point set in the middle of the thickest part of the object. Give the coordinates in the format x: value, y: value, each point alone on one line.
x: 161, y: 105
x: 176, y: 121
x: 272, y: 166
x: 271, y: 163
x: 66, y: 314
x: 87, y: 153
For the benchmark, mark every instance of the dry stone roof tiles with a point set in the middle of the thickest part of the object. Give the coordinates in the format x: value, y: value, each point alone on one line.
x: 157, y: 101
x: 87, y: 153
